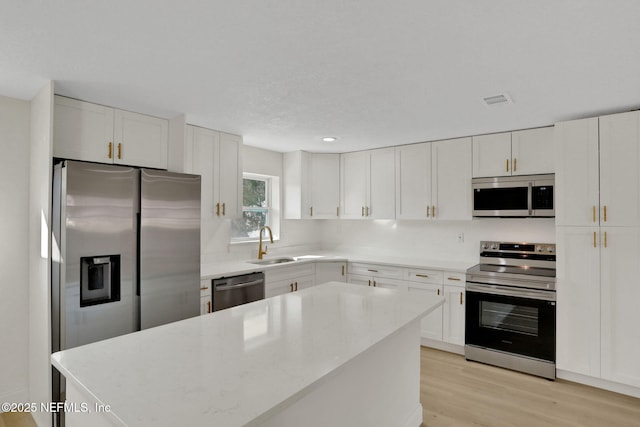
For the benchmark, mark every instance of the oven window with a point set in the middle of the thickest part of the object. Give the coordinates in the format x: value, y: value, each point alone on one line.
x: 509, y: 317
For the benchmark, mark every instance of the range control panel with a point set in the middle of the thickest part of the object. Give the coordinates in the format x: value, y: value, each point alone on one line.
x: 519, y: 247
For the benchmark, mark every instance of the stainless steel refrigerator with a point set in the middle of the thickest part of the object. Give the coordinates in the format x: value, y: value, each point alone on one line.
x: 126, y: 252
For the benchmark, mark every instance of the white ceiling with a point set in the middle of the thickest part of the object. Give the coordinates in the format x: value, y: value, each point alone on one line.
x: 284, y: 73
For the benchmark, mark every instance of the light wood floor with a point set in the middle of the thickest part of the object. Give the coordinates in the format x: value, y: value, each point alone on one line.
x: 457, y: 393
x: 16, y: 419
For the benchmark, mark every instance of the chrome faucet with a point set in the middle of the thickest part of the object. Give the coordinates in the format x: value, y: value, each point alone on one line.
x: 260, y: 251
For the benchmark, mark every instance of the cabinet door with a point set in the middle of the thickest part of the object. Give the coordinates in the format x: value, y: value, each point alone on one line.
x: 331, y: 272
x: 413, y: 181
x: 577, y: 172
x: 578, y: 305
x: 82, y: 131
x: 620, y: 315
x: 227, y: 187
x: 431, y: 325
x: 453, y: 315
x: 140, y: 140
x: 381, y: 282
x: 357, y: 279
x: 492, y: 155
x: 324, y: 185
x: 203, y: 142
x: 619, y: 171
x: 279, y: 287
x: 382, y: 184
x: 451, y: 179
x: 303, y: 282
x: 205, y: 305
x: 532, y: 151
x: 354, y: 168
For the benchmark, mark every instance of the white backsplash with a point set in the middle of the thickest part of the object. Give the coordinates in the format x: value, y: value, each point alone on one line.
x: 430, y: 239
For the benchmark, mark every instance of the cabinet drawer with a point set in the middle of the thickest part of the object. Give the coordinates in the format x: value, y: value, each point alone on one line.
x: 387, y: 271
x: 425, y: 276
x: 290, y: 272
x: 205, y: 288
x: 454, y: 279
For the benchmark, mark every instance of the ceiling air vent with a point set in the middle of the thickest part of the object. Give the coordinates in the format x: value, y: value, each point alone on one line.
x: 500, y: 99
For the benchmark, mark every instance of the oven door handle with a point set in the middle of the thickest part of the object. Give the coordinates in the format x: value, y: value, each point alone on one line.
x: 499, y: 290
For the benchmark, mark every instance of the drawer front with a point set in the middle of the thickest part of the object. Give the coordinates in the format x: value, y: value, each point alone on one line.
x: 425, y: 276
x: 454, y: 279
x: 205, y: 288
x: 386, y: 271
x: 289, y: 272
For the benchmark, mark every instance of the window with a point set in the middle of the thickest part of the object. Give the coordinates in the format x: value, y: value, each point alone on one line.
x: 259, y: 208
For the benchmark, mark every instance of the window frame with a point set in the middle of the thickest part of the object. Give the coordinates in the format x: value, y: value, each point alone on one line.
x: 272, y: 216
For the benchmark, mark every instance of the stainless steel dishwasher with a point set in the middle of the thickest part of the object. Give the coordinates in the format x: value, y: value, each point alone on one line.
x: 237, y: 290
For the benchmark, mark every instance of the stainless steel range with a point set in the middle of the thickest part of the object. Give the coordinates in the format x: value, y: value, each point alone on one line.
x: 511, y: 307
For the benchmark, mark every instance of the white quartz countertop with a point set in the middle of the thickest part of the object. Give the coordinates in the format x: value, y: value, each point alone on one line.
x: 233, y: 268
x: 236, y: 367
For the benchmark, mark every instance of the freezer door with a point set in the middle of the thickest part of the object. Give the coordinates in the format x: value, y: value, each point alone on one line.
x: 93, y: 286
x: 169, y: 247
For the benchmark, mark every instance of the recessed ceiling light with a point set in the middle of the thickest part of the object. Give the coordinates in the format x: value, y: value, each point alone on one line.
x: 329, y: 138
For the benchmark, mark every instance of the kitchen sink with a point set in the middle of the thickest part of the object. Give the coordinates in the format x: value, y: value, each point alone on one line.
x: 273, y: 261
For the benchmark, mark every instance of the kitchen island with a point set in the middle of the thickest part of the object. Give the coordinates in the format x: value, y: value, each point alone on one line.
x: 335, y: 354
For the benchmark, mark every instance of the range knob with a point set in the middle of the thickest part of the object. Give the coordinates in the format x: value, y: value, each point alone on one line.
x: 550, y: 249
x: 494, y: 246
x: 485, y: 246
x: 539, y: 248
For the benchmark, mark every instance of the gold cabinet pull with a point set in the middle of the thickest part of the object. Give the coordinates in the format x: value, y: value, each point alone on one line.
x: 507, y: 168
x: 208, y: 306
x: 433, y: 211
x: 338, y: 211
x: 593, y: 211
x: 515, y: 164
x: 224, y: 209
x: 343, y: 270
x: 369, y: 282
x: 372, y: 270
x: 457, y: 279
x: 296, y: 286
x: 217, y: 209
x: 594, y: 239
x: 605, y: 213
x: 119, y: 150
x: 203, y: 289
x: 460, y: 298
x: 427, y: 211
x: 422, y: 275
x: 311, y: 211
x: 363, y: 211
x: 605, y: 239
x: 291, y: 286
x: 438, y: 291
x: 367, y: 211
x: 110, y: 149
x: 374, y: 283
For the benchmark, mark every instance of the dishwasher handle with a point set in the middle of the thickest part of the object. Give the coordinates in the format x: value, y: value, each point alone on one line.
x: 239, y: 285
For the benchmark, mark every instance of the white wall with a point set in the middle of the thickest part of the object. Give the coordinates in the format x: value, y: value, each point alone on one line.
x: 14, y: 251
x: 431, y: 240
x: 39, y: 249
x: 296, y: 237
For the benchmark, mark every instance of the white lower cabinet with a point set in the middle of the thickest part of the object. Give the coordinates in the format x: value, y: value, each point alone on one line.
x: 453, y: 320
x: 331, y: 272
x: 598, y: 316
x: 282, y: 280
x: 431, y: 325
x: 382, y: 276
x: 205, y: 297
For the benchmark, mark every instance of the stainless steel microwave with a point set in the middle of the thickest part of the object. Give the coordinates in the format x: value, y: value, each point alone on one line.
x: 514, y: 196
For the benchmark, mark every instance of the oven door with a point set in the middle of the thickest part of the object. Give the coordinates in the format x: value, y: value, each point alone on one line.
x: 516, y: 321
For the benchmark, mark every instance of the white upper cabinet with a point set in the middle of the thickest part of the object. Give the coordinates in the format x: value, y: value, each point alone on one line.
x: 433, y: 180
x: 620, y: 169
x: 524, y: 152
x: 311, y: 185
x: 598, y: 178
x: 90, y: 132
x: 413, y: 181
x: 492, y: 155
x: 216, y: 157
x: 532, y: 151
x: 367, y: 184
x: 451, y: 179
x: 354, y: 168
x: 577, y: 176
